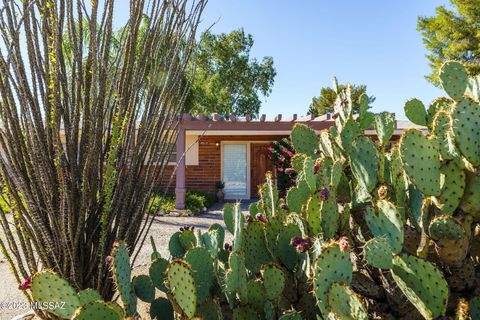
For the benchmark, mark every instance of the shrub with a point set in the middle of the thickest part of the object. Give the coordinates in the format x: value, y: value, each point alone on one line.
x: 195, y: 201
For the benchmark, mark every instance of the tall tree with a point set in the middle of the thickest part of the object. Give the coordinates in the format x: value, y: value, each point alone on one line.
x: 227, y: 80
x: 86, y: 127
x: 325, y: 101
x: 452, y: 35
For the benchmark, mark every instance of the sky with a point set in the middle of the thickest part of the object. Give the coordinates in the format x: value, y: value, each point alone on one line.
x: 371, y: 42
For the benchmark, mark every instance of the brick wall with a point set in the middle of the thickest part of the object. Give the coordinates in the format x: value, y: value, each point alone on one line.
x: 208, y: 171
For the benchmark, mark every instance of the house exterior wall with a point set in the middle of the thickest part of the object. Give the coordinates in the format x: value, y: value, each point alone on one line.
x: 202, y: 177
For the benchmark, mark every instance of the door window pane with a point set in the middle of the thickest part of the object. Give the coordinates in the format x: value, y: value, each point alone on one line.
x: 235, y: 169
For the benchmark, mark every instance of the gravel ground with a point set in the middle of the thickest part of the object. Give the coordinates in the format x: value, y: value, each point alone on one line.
x: 161, y: 230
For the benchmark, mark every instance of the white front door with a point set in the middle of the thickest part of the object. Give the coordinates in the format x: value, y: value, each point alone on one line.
x: 235, y: 170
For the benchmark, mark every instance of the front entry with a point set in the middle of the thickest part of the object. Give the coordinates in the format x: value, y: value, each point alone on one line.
x: 261, y: 164
x: 234, y: 170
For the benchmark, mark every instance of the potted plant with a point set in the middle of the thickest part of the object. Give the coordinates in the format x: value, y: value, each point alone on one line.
x: 220, y: 195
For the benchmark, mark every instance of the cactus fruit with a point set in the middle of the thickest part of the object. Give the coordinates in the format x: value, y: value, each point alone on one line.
x: 157, y: 273
x: 415, y: 112
x: 422, y: 284
x: 201, y: 264
x: 454, y: 79
x: 161, y: 309
x: 143, y: 288
x: 48, y: 287
x: 122, y: 272
x: 421, y: 161
x: 182, y: 286
x: 385, y: 126
x: 377, y: 253
x: 466, y: 117
x: 363, y: 161
x: 332, y: 265
x: 344, y: 303
x: 88, y: 295
x: 304, y: 140
x: 445, y: 227
x: 386, y: 222
x: 96, y: 310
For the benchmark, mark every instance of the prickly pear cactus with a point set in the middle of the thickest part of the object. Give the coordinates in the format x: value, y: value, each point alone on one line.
x: 422, y: 284
x: 273, y: 281
x: 345, y: 304
x: 421, y: 161
x: 96, y: 310
x: 48, y: 287
x: 415, y: 112
x: 454, y: 79
x: 122, y: 272
x: 183, y: 288
x: 363, y: 160
x: 304, y: 140
x: 143, y: 288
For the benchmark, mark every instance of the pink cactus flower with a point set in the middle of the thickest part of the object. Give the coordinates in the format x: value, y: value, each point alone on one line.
x: 343, y: 243
x: 26, y: 284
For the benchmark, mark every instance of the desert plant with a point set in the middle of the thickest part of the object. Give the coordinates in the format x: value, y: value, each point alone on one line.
x: 399, y: 239
x: 85, y: 136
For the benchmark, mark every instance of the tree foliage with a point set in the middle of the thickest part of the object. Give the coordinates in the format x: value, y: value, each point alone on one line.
x: 452, y: 35
x: 87, y: 124
x: 324, y: 102
x: 227, y: 80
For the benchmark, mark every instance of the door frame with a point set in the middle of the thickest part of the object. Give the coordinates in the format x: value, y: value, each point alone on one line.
x: 248, y: 143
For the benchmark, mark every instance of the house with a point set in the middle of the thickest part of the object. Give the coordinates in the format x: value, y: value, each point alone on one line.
x: 233, y: 150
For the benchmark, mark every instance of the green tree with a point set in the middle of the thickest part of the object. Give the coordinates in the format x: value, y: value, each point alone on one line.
x: 227, y: 80
x: 452, y: 35
x: 325, y: 101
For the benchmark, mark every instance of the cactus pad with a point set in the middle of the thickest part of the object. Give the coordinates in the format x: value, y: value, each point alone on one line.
x: 209, y: 310
x: 326, y: 144
x: 296, y: 196
x: 474, y: 308
x: 143, y: 288
x: 161, y: 309
x: 386, y: 221
x: 256, y: 294
x: 471, y: 197
x: 466, y: 120
x: 236, y: 277
x: 285, y: 251
x: 454, y: 78
x: 245, y: 313
x: 96, y: 310
x: 228, y: 217
x: 292, y: 315
x: 273, y: 281
x: 88, y: 295
x: 385, y: 126
x: 332, y: 265
x: 363, y: 161
x: 345, y: 303
x: 272, y: 229
x: 445, y: 227
x: 415, y: 112
x: 268, y: 196
x: 377, y: 253
x: 122, y: 273
x: 421, y: 161
x: 48, y: 286
x: 304, y: 140
x: 348, y: 133
x: 201, y: 263
x: 422, y: 284
x: 157, y: 273
x: 453, y: 187
x: 443, y: 136
x: 175, y: 246
x: 182, y: 286
x: 213, y: 239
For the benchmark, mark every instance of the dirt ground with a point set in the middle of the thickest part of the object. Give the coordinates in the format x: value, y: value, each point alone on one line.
x: 161, y: 230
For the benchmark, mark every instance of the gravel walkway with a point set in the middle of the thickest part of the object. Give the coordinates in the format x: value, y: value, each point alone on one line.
x: 162, y: 228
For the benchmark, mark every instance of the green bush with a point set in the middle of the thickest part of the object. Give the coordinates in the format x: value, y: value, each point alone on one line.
x: 195, y: 201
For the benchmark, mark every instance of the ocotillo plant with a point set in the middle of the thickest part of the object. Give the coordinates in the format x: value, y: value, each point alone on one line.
x: 88, y: 116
